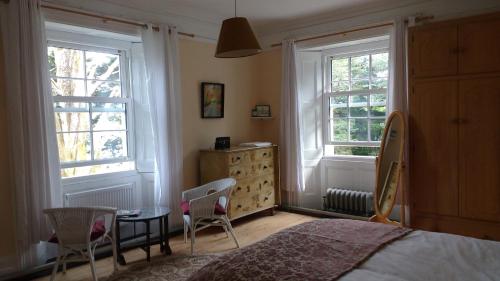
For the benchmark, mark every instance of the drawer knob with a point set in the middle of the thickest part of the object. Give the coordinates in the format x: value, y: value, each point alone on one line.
x: 264, y: 154
x: 265, y: 182
x: 265, y: 167
x: 248, y: 188
x: 238, y: 172
x: 239, y: 188
x: 239, y: 206
x: 238, y: 158
x: 265, y: 198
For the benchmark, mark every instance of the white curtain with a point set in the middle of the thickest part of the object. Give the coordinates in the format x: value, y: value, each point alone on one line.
x: 33, y: 146
x: 290, y: 134
x: 398, y: 92
x: 163, y: 78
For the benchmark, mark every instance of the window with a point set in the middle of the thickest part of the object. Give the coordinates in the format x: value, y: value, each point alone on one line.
x: 356, y: 102
x: 92, y: 108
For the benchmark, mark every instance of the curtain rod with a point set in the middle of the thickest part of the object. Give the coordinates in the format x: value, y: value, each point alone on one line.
x: 338, y: 33
x: 107, y: 18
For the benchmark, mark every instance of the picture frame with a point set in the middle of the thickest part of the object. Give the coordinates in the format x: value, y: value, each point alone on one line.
x: 262, y: 110
x: 212, y: 100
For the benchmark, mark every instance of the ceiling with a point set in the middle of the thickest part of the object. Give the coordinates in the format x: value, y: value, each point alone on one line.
x: 263, y: 14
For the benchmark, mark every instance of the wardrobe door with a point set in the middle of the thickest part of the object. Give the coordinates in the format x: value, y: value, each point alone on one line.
x: 434, y: 144
x: 433, y: 51
x: 479, y: 142
x: 479, y: 46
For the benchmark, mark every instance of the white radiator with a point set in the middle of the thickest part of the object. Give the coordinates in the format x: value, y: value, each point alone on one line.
x: 119, y: 196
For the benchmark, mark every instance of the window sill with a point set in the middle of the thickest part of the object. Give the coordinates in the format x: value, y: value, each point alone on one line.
x: 347, y: 158
x: 99, y: 177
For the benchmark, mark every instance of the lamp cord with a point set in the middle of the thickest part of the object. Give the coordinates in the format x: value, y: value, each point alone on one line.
x: 234, y: 8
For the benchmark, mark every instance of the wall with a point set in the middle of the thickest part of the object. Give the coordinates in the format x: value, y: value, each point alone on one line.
x: 7, y: 245
x: 198, y: 64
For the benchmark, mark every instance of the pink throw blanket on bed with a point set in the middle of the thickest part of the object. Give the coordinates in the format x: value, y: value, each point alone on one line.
x: 317, y: 250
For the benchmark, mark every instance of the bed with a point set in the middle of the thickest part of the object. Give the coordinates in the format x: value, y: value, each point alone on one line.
x: 347, y: 250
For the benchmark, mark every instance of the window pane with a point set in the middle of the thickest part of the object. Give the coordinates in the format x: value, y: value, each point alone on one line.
x: 377, y: 111
x: 65, y: 62
x: 108, y: 121
x: 377, y: 129
x: 108, y: 107
x: 73, y: 146
x: 110, y: 145
x: 380, y: 65
x: 338, y: 106
x: 358, y: 106
x: 377, y: 99
x: 360, y: 84
x: 356, y: 150
x: 360, y: 67
x: 97, y: 169
x: 379, y: 83
x: 340, y: 86
x: 104, y: 89
x: 340, y: 69
x: 72, y: 121
x: 67, y: 87
x: 102, y: 66
x: 359, y: 129
x: 339, y: 129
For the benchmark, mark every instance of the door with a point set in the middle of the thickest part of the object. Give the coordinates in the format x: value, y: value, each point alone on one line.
x: 479, y: 46
x: 434, y: 143
x: 479, y: 142
x: 433, y: 51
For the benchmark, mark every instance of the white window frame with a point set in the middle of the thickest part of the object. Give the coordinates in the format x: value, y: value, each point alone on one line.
x: 376, y: 47
x: 126, y: 99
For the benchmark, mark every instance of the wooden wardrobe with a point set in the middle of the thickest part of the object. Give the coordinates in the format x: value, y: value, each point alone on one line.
x: 454, y: 121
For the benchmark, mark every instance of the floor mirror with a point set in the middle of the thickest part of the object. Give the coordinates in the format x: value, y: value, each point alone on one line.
x: 389, y: 170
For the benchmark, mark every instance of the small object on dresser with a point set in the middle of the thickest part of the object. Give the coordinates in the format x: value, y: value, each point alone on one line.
x: 222, y: 142
x: 256, y: 144
x: 262, y: 110
x: 128, y: 213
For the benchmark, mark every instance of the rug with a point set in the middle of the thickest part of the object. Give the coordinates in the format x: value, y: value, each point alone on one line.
x: 170, y: 268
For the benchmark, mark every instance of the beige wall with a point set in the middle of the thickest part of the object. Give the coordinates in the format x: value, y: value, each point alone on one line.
x: 7, y: 245
x: 248, y: 81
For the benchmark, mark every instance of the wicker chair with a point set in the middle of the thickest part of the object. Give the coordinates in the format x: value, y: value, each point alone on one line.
x: 73, y: 228
x: 202, y: 208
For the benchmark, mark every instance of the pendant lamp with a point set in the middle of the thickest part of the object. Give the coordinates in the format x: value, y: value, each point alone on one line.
x: 236, y: 38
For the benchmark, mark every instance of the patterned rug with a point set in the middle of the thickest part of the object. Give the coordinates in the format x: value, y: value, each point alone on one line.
x: 175, y: 268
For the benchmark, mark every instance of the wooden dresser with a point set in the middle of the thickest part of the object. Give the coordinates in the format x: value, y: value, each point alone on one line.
x: 454, y: 103
x: 256, y: 171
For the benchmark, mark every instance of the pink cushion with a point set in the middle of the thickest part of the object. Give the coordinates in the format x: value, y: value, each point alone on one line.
x: 98, y: 230
x: 219, y: 210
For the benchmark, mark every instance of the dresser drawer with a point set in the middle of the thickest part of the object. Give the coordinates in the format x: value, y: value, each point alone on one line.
x: 241, y: 171
x: 261, y: 154
x: 244, y: 188
x: 236, y: 158
x: 265, y: 183
x: 264, y: 167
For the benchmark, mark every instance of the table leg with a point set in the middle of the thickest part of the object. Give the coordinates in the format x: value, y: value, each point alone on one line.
x: 162, y: 247
x: 119, y: 257
x: 168, y: 251
x: 148, y: 241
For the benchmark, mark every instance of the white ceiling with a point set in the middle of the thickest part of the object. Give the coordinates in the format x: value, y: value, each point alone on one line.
x: 263, y: 14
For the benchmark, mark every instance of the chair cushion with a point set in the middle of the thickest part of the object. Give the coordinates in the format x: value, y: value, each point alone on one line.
x: 98, y: 230
x: 219, y: 210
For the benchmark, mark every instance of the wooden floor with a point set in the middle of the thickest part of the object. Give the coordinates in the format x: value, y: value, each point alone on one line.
x: 248, y: 231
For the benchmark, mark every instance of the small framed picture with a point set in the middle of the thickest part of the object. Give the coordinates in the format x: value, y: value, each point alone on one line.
x: 263, y: 110
x: 212, y: 100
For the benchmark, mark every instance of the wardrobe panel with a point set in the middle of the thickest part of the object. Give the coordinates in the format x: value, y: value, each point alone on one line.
x: 479, y: 142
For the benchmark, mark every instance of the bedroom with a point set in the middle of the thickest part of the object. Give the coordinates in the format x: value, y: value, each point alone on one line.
x: 170, y: 46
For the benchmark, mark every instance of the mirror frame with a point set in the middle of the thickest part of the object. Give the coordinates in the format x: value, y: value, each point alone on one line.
x: 384, y: 217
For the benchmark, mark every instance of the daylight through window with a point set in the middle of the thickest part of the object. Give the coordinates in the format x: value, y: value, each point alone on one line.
x: 356, y: 103
x: 91, y: 105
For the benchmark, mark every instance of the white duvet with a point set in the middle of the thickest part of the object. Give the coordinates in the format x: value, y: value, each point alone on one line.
x: 423, y: 255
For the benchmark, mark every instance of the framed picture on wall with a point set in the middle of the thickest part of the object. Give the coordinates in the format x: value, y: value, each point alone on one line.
x: 212, y: 100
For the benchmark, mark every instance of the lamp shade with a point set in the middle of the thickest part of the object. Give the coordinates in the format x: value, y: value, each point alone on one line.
x: 236, y: 39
